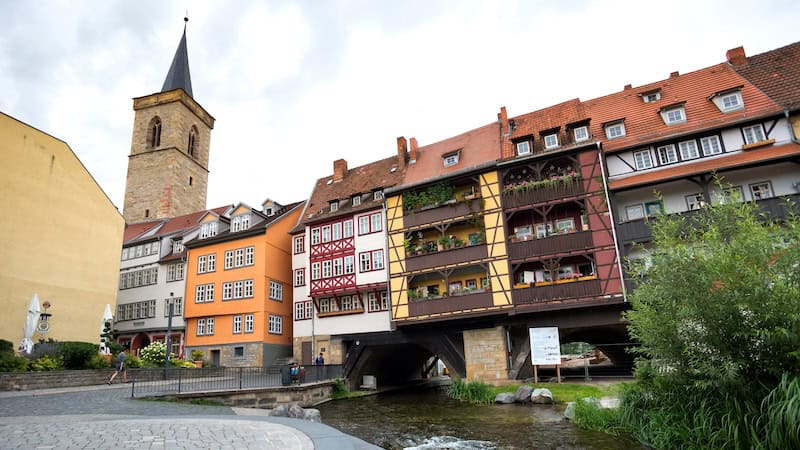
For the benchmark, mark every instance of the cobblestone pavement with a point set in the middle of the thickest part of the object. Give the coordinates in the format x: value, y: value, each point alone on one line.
x: 106, y: 417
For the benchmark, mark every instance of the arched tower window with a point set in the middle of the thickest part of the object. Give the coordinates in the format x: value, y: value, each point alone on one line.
x: 154, y: 133
x: 192, y: 148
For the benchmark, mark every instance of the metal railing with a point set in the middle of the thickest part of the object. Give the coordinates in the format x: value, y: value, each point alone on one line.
x: 176, y: 381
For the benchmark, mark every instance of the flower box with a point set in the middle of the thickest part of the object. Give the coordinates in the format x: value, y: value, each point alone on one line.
x: 543, y: 283
x: 566, y: 280
x: 587, y: 277
x: 522, y: 286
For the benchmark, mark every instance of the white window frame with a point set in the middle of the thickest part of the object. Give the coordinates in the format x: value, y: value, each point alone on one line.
x: 347, y: 228
x: 686, y: 147
x: 450, y: 160
x: 237, y: 324
x: 337, y: 267
x: 757, y: 187
x: 201, y: 327
x: 326, y: 233
x: 201, y: 264
x: 275, y: 324
x: 674, y: 115
x: 384, y: 301
x: 356, y: 200
x: 275, y: 291
x: 750, y: 133
x: 615, y: 130
x: 349, y: 264
x: 376, y: 222
x: 523, y: 148
x: 336, y: 231
x: 363, y: 225
x: 315, y: 236
x: 227, y: 290
x: 666, y: 155
x: 248, y: 323
x: 248, y: 288
x: 377, y: 195
x: 365, y: 262
x: 211, y: 263
x: 326, y: 269
x: 238, y: 289
x: 550, y: 141
x: 708, y: 147
x: 739, y: 104
x: 316, y: 270
x: 200, y: 293
x: 651, y: 97
x: 249, y: 256
x: 637, y: 160
x: 238, y: 260
x: 299, y: 244
x: 209, y: 326
x: 635, y: 216
x: 334, y: 206
x: 581, y: 133
x: 228, y: 259
x: 208, y: 229
x: 377, y: 259
x: 300, y: 277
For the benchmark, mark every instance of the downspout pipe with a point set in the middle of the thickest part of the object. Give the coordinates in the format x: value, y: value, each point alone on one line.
x: 613, y: 221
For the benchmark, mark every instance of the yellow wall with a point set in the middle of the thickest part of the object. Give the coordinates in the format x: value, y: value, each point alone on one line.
x: 61, y: 237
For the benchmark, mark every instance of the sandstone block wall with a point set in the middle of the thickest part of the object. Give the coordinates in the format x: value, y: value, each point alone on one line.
x: 486, y: 354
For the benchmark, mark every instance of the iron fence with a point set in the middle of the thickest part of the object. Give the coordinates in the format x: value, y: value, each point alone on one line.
x: 147, y: 382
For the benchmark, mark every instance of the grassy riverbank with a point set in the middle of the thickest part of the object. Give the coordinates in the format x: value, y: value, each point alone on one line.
x: 478, y: 392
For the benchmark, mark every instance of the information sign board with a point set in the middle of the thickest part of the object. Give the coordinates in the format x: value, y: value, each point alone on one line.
x: 545, y: 347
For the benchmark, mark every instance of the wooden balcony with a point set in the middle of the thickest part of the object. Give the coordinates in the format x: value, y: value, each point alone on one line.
x: 542, y: 294
x: 455, y: 303
x: 550, y: 245
x: 637, y: 231
x: 543, y: 194
x: 439, y: 213
x: 453, y: 256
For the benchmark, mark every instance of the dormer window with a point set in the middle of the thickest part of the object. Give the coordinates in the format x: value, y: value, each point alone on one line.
x: 651, y: 96
x: 450, y: 159
x: 728, y: 101
x: 334, y: 205
x: 208, y: 229
x: 523, y: 148
x: 268, y: 211
x: 673, y: 115
x: 377, y: 195
x: 581, y: 133
x: 356, y: 200
x: 615, y: 130
x: 177, y: 246
x: 240, y: 223
x: 550, y: 141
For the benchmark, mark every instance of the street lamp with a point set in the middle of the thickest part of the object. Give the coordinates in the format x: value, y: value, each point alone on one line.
x: 168, y: 340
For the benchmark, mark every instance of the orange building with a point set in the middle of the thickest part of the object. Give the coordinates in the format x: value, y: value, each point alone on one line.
x: 238, y: 307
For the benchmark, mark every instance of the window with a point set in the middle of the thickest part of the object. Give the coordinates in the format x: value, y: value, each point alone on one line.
x: 237, y: 325
x: 326, y: 269
x: 204, y: 293
x: 300, y: 277
x: 695, y: 201
x: 239, y: 257
x: 334, y: 207
x: 372, y: 302
x: 731, y: 102
x: 201, y: 264
x: 450, y: 159
x: 710, y: 145
x: 377, y: 195
x: 212, y: 263
x: 192, y: 147
x: 300, y: 311
x: 248, y: 288
x: 356, y: 200
x: 377, y: 259
x: 177, y: 246
x: 228, y: 259
x: 227, y: 291
x: 634, y: 212
x: 201, y: 327
x: 175, y: 272
x: 581, y: 133
x: 177, y: 307
x: 363, y: 225
x: 238, y: 289
x: 666, y: 155
x: 365, y: 261
x: 761, y: 190
x: 753, y: 134
x: 154, y: 133
x: 731, y: 194
x: 523, y: 148
x: 347, y: 226
x: 653, y: 208
x: 208, y: 229
x: 551, y: 141
x: 336, y: 231
x: 210, y: 326
x: 337, y: 267
x: 349, y: 264
x: 275, y: 324
x: 377, y: 222
x: 615, y: 130
x: 384, y: 300
x: 238, y: 352
x: 642, y: 159
x: 689, y: 150
x: 314, y: 236
x: 249, y: 256
x: 275, y: 290
x: 326, y: 233
x: 248, y: 323
x: 315, y: 271
x: 565, y: 226
x: 650, y: 97
x: 268, y: 210
x: 471, y: 284
x: 299, y: 244
x: 673, y: 115
x: 240, y: 223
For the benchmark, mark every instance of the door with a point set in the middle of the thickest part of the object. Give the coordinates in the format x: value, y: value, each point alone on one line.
x: 306, y: 355
x: 214, y: 358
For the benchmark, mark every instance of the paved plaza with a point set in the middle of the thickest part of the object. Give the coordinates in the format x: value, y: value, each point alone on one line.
x: 106, y: 417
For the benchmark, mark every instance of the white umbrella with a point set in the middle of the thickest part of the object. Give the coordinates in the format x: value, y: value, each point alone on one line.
x: 107, y: 318
x: 31, y: 320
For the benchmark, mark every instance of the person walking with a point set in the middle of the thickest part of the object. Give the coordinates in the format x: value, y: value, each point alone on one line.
x: 121, y: 367
x: 320, y: 360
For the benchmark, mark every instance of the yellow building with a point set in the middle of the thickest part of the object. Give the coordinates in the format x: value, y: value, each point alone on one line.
x: 61, y: 237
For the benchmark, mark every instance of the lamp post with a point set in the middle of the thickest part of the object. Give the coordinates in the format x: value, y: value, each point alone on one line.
x: 168, y: 340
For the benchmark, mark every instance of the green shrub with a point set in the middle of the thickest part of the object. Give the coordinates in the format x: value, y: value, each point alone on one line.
x: 197, y: 355
x: 181, y: 364
x: 98, y: 362
x: 590, y: 415
x: 10, y: 362
x: 133, y: 361
x: 6, y: 347
x: 46, y: 363
x: 472, y: 392
x: 153, y: 355
x: 77, y: 355
x: 114, y: 348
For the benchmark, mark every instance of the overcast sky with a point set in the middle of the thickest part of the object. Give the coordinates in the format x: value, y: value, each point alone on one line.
x: 295, y: 85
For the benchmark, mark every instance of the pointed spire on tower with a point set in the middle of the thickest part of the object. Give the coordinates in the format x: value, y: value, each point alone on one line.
x: 178, y: 75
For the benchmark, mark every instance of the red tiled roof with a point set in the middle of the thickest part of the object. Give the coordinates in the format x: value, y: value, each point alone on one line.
x: 477, y: 146
x: 359, y: 180
x: 533, y: 123
x: 707, y: 165
x: 188, y: 220
x: 134, y: 230
x: 777, y: 73
x: 643, y: 123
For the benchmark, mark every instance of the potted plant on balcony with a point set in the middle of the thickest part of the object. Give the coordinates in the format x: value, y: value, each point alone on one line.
x: 197, y: 357
x: 444, y: 242
x: 568, y: 278
x: 591, y: 276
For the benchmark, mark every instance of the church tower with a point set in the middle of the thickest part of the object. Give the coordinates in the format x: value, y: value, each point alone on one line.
x: 168, y: 163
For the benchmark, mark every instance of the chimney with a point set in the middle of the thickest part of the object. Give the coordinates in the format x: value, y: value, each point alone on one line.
x: 402, y: 150
x: 674, y: 74
x: 736, y: 56
x: 339, y: 169
x: 627, y: 87
x: 505, y: 130
x: 414, y: 152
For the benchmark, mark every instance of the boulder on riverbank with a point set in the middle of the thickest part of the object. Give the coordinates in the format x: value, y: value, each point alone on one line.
x: 279, y: 411
x: 523, y: 394
x: 602, y: 403
x: 504, y: 397
x: 296, y: 412
x: 542, y: 397
x: 312, y: 415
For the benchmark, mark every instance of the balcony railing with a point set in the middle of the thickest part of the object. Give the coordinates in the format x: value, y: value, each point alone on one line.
x: 542, y: 294
x: 454, y: 256
x: 453, y: 303
x: 438, y: 213
x: 639, y: 230
x: 543, y: 194
x: 550, y: 245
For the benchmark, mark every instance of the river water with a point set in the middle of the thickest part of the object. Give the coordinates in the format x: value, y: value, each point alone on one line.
x: 430, y: 420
